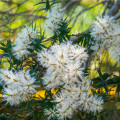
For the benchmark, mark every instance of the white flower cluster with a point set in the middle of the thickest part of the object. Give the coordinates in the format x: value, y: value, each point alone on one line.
x: 106, y: 32
x: 54, y: 18
x: 63, y: 61
x: 18, y: 86
x: 64, y: 65
x: 23, y: 43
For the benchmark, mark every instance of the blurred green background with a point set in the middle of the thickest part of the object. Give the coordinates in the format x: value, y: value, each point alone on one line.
x: 15, y: 14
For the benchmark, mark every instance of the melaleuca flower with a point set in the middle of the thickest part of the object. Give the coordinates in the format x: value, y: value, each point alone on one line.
x: 54, y: 18
x: 106, y: 33
x: 18, y: 86
x: 65, y: 65
x: 50, y: 113
x: 114, y: 50
x: 23, y: 43
x: 7, y: 76
x: 11, y: 96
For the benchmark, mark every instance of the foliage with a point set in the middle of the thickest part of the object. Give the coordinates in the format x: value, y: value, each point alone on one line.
x: 38, y: 60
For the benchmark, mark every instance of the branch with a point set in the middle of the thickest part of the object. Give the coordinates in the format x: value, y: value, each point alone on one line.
x: 11, y: 2
x: 8, y: 2
x: 108, y: 2
x: 116, y: 112
x: 115, y: 8
x: 21, y: 14
x: 74, y: 39
x: 69, y: 4
x: 86, y: 9
x: 117, y: 16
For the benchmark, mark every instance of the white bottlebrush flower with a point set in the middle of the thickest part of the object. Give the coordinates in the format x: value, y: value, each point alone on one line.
x: 96, y: 105
x: 44, y: 57
x: 8, y: 77
x: 65, y: 65
x: 18, y: 86
x: 74, y: 70
x: 64, y: 111
x: 91, y: 103
x: 114, y: 52
x: 23, y: 43
x: 20, y: 52
x: 106, y: 33
x: 62, y: 63
x: 63, y: 108
x: 12, y: 96
x: 54, y: 18
x: 50, y: 113
x: 102, y: 28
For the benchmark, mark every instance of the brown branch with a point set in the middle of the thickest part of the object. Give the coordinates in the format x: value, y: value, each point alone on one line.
x: 86, y: 9
x: 21, y: 14
x: 8, y: 2
x: 117, y: 16
x: 75, y: 38
x: 69, y: 4
x: 116, y: 112
x: 17, y: 4
x: 106, y: 7
x: 25, y: 117
x: 115, y: 8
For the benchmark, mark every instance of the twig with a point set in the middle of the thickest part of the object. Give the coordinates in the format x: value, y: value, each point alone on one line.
x: 114, y: 67
x: 115, y: 8
x: 25, y: 116
x: 17, y: 4
x: 106, y: 8
x: 75, y: 38
x: 98, y: 117
x: 117, y: 16
x: 69, y: 4
x: 84, y: 10
x: 21, y: 14
x: 116, y: 112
